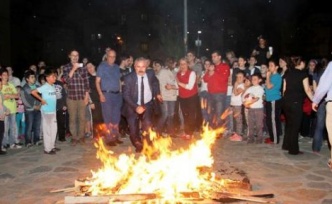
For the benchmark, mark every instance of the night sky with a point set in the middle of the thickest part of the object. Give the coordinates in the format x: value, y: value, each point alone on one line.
x: 47, y: 30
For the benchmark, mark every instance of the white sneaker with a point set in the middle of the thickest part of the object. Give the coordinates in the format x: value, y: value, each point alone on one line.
x: 15, y: 146
x: 4, y: 149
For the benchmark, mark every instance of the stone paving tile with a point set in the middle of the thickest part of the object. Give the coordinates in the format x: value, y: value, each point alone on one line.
x: 27, y: 175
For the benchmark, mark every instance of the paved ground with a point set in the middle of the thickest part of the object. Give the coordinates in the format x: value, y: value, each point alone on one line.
x: 27, y: 175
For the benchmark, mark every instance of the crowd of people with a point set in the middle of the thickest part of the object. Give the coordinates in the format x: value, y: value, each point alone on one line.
x: 257, y: 99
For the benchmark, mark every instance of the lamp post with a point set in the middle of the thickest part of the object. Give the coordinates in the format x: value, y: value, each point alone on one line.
x: 198, y: 42
x: 185, y: 27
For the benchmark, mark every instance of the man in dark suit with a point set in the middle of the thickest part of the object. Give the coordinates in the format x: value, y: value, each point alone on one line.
x: 140, y: 89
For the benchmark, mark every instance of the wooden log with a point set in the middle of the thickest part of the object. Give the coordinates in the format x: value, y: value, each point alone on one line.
x: 110, y: 198
x: 131, y: 199
x: 70, y: 189
x: 224, y: 197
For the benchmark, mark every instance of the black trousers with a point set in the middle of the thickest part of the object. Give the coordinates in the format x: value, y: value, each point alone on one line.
x: 97, y: 119
x: 134, y: 121
x: 189, y: 111
x: 293, y: 113
x: 273, y: 122
x: 61, y: 122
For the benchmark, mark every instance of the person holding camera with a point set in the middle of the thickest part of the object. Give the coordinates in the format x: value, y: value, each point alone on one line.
x: 76, y: 78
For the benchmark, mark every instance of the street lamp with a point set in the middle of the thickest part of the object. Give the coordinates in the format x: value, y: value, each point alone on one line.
x: 198, y: 42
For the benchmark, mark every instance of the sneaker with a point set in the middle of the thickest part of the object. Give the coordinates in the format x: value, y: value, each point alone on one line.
x: 268, y: 141
x: 15, y: 146
x: 329, y: 164
x: 39, y: 143
x: 62, y: 139
x: 55, y: 149
x: 4, y: 149
x: 250, y: 141
x: 235, y: 137
x: 118, y: 141
x: 82, y: 141
x: 29, y: 145
x: 73, y: 142
x: 88, y: 134
x: 50, y: 152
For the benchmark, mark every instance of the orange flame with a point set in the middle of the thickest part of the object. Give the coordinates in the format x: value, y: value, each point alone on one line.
x: 158, y: 170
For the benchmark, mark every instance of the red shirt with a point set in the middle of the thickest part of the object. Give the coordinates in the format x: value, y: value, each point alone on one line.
x: 185, y: 93
x: 218, y: 81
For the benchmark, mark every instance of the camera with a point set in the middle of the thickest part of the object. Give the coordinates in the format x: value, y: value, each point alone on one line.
x: 80, y: 64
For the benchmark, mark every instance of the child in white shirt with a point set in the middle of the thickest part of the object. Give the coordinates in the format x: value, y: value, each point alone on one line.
x: 236, y: 105
x: 253, y: 101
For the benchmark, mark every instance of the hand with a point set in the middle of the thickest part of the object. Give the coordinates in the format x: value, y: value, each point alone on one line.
x: 43, y: 102
x: 86, y: 101
x: 75, y: 66
x: 102, y: 98
x: 140, y: 109
x: 268, y: 74
x: 160, y: 98
x: 168, y: 87
x: 92, y: 106
x: 64, y: 108
x: 6, y: 96
x: 314, y: 107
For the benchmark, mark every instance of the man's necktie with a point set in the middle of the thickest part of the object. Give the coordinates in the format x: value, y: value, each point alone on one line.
x: 142, y: 92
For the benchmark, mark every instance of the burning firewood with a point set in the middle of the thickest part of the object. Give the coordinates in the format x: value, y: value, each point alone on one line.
x: 183, y: 175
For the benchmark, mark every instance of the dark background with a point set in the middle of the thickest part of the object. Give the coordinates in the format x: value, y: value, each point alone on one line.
x: 47, y: 30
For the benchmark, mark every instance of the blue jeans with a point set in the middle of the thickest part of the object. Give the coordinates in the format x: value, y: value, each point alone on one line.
x: 111, y: 109
x: 20, y: 122
x: 167, y: 114
x: 10, y: 135
x: 217, y: 105
x: 32, y: 126
x: 320, y: 128
x: 230, y: 121
x: 204, y: 100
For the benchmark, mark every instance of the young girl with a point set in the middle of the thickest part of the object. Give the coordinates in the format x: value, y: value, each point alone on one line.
x: 20, y: 117
x: 273, y: 103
